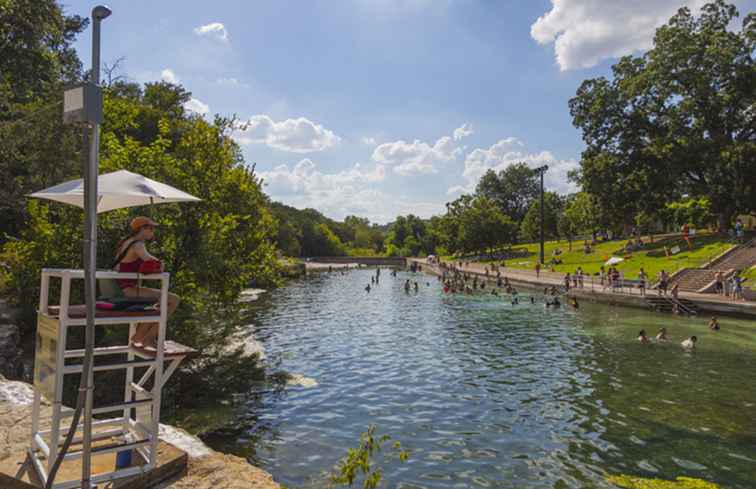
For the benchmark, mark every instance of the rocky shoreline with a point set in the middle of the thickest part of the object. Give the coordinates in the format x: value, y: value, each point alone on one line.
x: 207, y: 468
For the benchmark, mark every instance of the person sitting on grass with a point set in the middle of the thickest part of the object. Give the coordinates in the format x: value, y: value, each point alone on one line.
x: 131, y: 252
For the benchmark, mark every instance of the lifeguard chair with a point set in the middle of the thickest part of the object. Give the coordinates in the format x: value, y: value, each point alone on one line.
x: 130, y: 425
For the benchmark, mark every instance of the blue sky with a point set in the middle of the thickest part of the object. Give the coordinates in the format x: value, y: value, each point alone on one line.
x: 384, y: 107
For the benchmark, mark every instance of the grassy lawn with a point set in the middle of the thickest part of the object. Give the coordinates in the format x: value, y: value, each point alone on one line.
x: 651, y: 258
x: 751, y: 276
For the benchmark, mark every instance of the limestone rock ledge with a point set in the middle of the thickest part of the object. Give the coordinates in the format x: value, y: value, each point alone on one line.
x: 207, y: 469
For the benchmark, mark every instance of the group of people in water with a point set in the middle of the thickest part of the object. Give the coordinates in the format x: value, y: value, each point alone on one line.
x: 688, y: 344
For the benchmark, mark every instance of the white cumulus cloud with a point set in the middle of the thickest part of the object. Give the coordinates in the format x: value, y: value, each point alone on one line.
x: 462, y: 131
x: 369, y: 141
x: 352, y: 191
x: 418, y: 157
x: 197, y: 106
x: 585, y: 32
x: 299, y: 135
x: 167, y: 75
x: 507, y: 152
x: 214, y: 29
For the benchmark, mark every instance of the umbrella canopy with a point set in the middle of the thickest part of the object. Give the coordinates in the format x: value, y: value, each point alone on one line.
x: 115, y: 191
x: 613, y: 261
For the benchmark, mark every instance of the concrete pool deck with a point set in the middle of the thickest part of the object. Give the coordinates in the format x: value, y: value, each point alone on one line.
x: 592, y: 289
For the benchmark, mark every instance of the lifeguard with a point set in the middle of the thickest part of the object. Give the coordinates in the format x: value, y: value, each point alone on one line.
x: 132, y: 257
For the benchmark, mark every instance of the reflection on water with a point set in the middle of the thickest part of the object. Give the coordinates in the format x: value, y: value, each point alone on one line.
x: 488, y: 394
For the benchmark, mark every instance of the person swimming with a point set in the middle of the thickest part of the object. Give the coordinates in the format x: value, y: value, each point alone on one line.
x: 662, y: 335
x: 714, y: 324
x: 575, y: 303
x: 642, y: 338
x: 689, y: 344
x: 407, y: 285
x: 367, y: 288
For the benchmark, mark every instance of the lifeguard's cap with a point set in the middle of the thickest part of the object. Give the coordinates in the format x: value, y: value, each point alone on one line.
x: 141, y: 221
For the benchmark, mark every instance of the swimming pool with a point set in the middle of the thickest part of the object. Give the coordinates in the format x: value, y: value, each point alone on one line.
x: 486, y: 394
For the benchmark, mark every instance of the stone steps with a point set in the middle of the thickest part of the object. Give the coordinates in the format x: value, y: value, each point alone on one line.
x: 694, y: 279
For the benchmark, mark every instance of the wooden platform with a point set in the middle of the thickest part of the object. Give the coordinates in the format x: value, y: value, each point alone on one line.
x: 171, y: 349
x: 171, y: 463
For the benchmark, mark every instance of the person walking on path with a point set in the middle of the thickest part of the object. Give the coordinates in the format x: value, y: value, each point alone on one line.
x: 567, y: 281
x: 538, y: 269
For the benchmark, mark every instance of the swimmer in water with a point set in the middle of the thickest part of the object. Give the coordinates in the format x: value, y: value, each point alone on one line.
x: 662, y: 335
x: 575, y: 303
x: 367, y: 288
x: 532, y: 299
x: 689, y: 344
x: 407, y: 285
x: 714, y: 324
x: 642, y: 338
x: 416, y: 287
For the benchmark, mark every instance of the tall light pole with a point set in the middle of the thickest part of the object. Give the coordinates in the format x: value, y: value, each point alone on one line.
x: 83, y: 104
x: 540, y: 171
x: 99, y: 13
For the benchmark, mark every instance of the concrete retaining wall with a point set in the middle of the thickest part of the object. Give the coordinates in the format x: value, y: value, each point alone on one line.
x: 362, y: 260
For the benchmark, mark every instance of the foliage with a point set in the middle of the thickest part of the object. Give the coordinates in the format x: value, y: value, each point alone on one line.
x: 630, y: 482
x: 213, y: 248
x: 530, y: 228
x: 309, y: 233
x: 410, y: 236
x: 580, y: 216
x: 37, y: 60
x: 678, y: 119
x: 512, y: 189
x: 694, y: 212
x: 483, y: 227
x: 359, y: 461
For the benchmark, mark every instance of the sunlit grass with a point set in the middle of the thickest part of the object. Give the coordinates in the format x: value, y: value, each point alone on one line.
x: 651, y: 257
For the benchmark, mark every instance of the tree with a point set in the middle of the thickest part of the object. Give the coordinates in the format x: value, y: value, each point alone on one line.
x: 580, y: 216
x: 483, y: 227
x: 530, y: 228
x: 213, y: 248
x: 512, y: 189
x: 678, y: 120
x: 37, y: 60
x: 408, y: 236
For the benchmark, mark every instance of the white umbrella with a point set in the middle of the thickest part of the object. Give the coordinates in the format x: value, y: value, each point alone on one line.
x: 115, y: 191
x: 613, y: 261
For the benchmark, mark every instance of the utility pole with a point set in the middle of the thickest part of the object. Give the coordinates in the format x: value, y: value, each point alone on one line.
x: 540, y: 171
x: 99, y: 13
x: 82, y: 104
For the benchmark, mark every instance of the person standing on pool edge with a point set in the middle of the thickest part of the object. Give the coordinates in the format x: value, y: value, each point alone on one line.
x: 131, y: 253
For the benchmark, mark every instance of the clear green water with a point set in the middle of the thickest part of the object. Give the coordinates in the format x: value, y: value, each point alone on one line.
x: 486, y: 394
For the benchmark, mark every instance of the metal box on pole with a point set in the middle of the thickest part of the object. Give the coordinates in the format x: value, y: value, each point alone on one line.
x: 82, y: 103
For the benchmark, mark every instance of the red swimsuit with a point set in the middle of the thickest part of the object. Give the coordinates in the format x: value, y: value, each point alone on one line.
x: 130, y: 267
